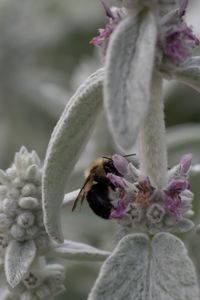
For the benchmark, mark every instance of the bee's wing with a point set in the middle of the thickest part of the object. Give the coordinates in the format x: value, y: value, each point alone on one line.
x: 81, y: 194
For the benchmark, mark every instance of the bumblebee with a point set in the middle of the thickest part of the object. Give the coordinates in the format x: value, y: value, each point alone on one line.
x: 96, y: 188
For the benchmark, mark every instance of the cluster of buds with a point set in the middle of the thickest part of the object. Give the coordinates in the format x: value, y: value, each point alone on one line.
x: 21, y: 216
x: 41, y: 283
x: 140, y: 204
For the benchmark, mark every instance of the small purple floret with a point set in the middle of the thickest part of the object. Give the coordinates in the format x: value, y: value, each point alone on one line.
x: 179, y: 42
x: 179, y: 38
x: 173, y: 198
x: 116, y: 181
x: 120, y: 163
x: 119, y: 211
x: 176, y: 186
x: 115, y: 16
x: 185, y: 164
x: 173, y: 205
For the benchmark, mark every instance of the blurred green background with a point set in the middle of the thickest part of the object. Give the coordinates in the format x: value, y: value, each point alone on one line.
x: 44, y: 55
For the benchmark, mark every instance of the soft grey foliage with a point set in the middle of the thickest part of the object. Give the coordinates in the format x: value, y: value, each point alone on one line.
x: 189, y: 73
x: 172, y: 272
x: 68, y: 139
x: 123, y: 275
x: 184, y: 225
x: 70, y: 197
x: 18, y: 259
x: 137, y: 271
x: 78, y: 251
x: 127, y: 84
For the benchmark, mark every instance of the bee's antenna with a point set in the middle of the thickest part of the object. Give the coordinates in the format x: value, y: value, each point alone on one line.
x: 129, y: 155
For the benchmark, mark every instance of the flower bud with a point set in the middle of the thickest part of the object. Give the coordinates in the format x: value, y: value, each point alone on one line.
x: 29, y: 189
x: 25, y: 220
x: 155, y: 213
x: 18, y: 232
x: 9, y: 206
x: 28, y: 203
x: 31, y: 281
x: 12, y: 173
x: 5, y: 222
x: 18, y: 183
x: 135, y: 211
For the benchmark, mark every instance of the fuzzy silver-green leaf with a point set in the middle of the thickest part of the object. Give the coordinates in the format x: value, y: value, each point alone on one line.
x: 138, y: 270
x: 172, y: 272
x: 66, y: 144
x: 78, y: 251
x: 18, y: 258
x: 189, y: 73
x: 127, y: 82
x: 124, y: 274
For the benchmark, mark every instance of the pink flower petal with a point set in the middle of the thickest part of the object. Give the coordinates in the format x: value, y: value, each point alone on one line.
x: 119, y: 211
x: 185, y: 163
x: 120, y: 163
x: 176, y: 186
x: 116, y: 181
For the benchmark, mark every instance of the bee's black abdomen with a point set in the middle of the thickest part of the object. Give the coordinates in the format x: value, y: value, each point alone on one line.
x: 98, y: 199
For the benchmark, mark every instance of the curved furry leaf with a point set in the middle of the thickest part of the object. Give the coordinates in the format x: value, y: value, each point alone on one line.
x: 124, y: 274
x: 70, y: 197
x: 129, y: 68
x: 67, y: 141
x: 18, y: 258
x: 140, y: 271
x: 172, y: 272
x: 78, y: 251
x: 189, y: 73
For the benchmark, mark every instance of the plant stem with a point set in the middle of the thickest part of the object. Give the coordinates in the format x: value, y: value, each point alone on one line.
x: 153, y: 153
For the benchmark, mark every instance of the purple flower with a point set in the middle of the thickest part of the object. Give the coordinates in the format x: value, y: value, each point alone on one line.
x: 119, y: 211
x: 179, y: 39
x: 120, y: 163
x: 185, y: 164
x: 144, y: 191
x: 117, y: 181
x: 172, y: 197
x: 115, y: 16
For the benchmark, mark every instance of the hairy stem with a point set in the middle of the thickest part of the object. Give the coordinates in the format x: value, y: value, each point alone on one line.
x: 153, y: 153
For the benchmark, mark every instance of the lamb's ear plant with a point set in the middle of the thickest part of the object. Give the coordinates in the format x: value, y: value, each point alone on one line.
x: 24, y: 244
x: 144, y: 42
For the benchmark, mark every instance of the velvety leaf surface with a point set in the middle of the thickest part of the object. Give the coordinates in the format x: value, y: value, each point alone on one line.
x: 19, y: 256
x: 127, y: 82
x: 189, y: 73
x: 172, y: 272
x: 78, y: 251
x: 66, y: 144
x: 124, y: 274
x: 137, y: 270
